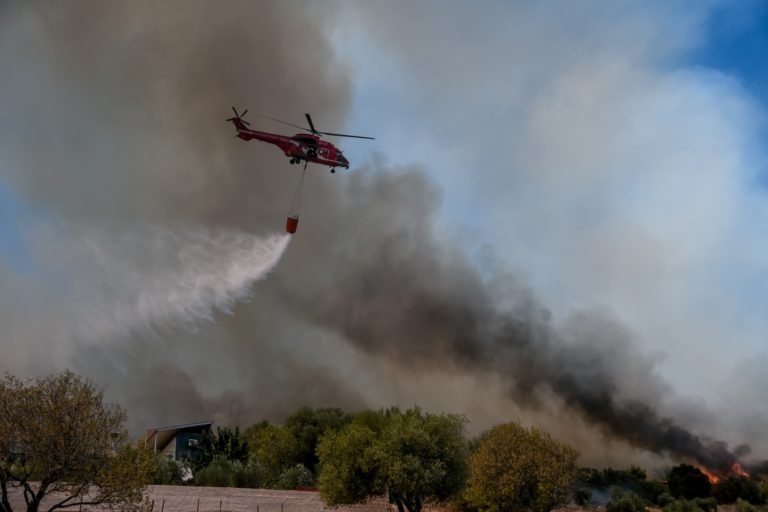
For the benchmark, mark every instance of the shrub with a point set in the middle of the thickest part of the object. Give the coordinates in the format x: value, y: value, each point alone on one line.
x: 686, y: 481
x: 219, y: 473
x: 296, y: 476
x: 624, y: 501
x: 582, y: 497
x: 733, y: 488
x: 169, y: 471
x: 694, y: 505
x: 745, y: 506
x: 682, y: 505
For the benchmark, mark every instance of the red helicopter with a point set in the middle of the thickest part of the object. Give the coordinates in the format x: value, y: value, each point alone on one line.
x: 308, y: 147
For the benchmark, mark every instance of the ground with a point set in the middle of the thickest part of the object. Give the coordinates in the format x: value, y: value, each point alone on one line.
x: 169, y: 498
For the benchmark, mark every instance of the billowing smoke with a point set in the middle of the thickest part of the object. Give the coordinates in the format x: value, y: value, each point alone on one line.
x: 115, y: 115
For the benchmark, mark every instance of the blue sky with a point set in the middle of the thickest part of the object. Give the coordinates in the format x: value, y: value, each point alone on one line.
x: 737, y: 44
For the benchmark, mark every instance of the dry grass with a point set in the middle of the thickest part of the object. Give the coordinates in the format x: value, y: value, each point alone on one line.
x: 170, y: 498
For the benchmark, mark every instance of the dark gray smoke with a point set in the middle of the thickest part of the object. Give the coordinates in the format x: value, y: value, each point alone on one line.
x: 115, y: 117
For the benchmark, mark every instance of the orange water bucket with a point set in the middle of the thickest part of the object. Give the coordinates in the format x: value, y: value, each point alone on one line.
x: 291, y: 223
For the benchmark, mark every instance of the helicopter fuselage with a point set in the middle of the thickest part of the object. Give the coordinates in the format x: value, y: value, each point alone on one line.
x: 302, y: 146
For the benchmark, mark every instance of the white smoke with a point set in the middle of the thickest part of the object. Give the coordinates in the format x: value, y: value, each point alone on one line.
x: 144, y: 280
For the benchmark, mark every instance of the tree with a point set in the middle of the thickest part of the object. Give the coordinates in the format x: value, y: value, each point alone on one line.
x: 423, y: 457
x: 416, y: 457
x: 226, y: 443
x: 515, y: 468
x: 688, y: 482
x: 308, y: 425
x: 732, y: 488
x: 58, y: 436
x: 275, y: 449
x: 349, y: 470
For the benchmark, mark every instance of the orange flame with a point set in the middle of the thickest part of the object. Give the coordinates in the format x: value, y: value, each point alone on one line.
x: 736, y: 469
x: 713, y: 478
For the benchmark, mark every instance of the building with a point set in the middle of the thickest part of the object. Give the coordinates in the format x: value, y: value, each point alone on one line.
x: 177, y: 441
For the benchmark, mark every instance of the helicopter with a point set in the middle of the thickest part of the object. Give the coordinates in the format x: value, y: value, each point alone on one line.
x: 309, y: 147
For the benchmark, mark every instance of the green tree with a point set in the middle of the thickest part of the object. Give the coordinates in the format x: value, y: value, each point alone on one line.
x: 515, y: 468
x: 225, y: 442
x: 732, y: 488
x: 59, y: 438
x: 275, y: 449
x: 416, y: 457
x: 308, y: 425
x: 295, y: 477
x: 688, y: 482
x: 423, y: 457
x: 349, y: 469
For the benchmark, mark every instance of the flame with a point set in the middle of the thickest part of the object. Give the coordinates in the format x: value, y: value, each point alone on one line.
x: 713, y: 478
x: 736, y: 469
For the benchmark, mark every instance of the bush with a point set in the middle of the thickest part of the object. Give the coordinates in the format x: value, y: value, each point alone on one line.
x: 682, y: 506
x: 297, y: 476
x: 694, y: 505
x: 624, y: 501
x: 745, y: 506
x: 219, y: 473
x: 249, y: 476
x: 222, y: 472
x: 686, y: 481
x: 733, y: 488
x: 169, y: 471
x: 582, y: 497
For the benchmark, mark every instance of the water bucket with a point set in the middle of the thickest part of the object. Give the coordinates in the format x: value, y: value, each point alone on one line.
x: 291, y: 223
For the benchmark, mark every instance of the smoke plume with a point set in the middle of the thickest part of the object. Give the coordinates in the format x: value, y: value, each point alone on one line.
x: 116, y: 118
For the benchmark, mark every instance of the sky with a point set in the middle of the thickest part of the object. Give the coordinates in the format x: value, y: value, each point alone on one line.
x: 594, y: 172
x: 704, y: 75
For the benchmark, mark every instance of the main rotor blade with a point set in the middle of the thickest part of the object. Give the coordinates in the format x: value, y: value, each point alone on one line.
x: 235, y: 111
x: 244, y: 112
x: 345, y: 135
x: 311, y: 125
x: 283, y: 122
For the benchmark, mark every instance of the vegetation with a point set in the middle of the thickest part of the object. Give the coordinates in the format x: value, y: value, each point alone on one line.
x: 633, y: 480
x: 515, y: 468
x: 226, y: 443
x: 415, y: 457
x: 169, y: 471
x: 694, y: 505
x: 223, y: 472
x: 623, y: 500
x: 686, y: 481
x: 730, y: 489
x: 308, y: 425
x: 58, y: 436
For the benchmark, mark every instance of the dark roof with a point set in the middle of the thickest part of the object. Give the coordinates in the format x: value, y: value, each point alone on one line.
x: 161, y: 436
